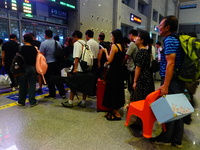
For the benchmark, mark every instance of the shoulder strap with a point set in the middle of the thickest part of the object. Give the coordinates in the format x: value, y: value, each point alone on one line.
x: 82, y: 50
x: 56, y: 45
x: 117, y: 46
x: 22, y: 57
x: 81, y: 43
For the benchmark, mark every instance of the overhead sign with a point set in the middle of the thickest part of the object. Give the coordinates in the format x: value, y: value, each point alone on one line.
x: 57, y: 13
x: 136, y: 19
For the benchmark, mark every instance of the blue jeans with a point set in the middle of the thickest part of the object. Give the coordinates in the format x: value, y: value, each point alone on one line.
x: 174, y: 129
x: 27, y: 84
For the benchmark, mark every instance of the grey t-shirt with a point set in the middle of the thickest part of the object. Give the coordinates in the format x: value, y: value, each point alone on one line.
x: 48, y: 49
x: 132, y: 51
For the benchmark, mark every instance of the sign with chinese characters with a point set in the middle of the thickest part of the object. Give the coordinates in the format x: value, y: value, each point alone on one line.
x: 57, y: 13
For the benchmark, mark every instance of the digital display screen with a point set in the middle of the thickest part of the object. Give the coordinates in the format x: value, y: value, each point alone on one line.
x: 27, y: 7
x: 56, y: 8
x: 14, y: 5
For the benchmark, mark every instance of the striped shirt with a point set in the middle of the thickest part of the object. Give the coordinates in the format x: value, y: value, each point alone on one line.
x: 171, y: 46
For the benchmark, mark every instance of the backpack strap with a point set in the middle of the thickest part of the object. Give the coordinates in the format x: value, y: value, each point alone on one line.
x: 82, y: 49
x: 56, y: 45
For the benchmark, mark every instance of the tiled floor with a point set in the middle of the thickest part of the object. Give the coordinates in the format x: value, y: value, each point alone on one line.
x: 49, y: 126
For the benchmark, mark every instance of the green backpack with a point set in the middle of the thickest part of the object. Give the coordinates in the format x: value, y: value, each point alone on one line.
x: 190, y: 70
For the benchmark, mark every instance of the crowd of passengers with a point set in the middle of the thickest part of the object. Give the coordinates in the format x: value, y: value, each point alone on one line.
x: 118, y: 61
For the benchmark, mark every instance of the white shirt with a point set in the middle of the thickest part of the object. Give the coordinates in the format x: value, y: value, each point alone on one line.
x: 159, y: 53
x: 77, y: 51
x: 153, y: 52
x: 94, y: 46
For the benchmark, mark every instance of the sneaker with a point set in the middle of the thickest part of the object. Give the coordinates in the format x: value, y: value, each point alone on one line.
x: 64, y: 97
x: 39, y: 91
x: 163, y: 143
x: 49, y: 96
x: 13, y: 89
x: 81, y: 104
x: 32, y: 105
x: 19, y: 104
x: 67, y: 104
x: 177, y: 145
x: 156, y: 140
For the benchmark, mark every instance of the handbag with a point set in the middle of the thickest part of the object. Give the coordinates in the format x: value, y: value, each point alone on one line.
x: 83, y: 65
x: 4, y: 79
x: 154, y: 65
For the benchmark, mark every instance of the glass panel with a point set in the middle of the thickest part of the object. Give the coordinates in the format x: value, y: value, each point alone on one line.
x: 3, y: 13
x: 27, y: 27
x: 4, y: 31
x: 40, y: 31
x: 14, y: 28
x: 14, y: 15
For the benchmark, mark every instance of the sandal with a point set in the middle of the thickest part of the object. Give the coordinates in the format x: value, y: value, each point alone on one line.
x: 113, y: 117
x: 108, y: 114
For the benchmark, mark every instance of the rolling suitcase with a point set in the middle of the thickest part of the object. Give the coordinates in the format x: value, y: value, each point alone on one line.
x: 100, y: 94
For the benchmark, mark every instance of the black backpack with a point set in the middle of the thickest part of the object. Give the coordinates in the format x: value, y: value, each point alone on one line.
x: 68, y: 56
x: 60, y: 56
x: 18, y: 66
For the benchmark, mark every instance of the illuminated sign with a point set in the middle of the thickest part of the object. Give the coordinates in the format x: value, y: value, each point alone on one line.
x: 66, y: 3
x: 188, y: 6
x: 6, y: 4
x: 136, y: 19
x: 13, y: 5
x: 27, y: 8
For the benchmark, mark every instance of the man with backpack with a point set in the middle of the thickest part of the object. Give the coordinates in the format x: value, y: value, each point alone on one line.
x: 77, y: 53
x: 47, y: 48
x: 171, y: 59
x: 102, y: 56
x: 9, y: 50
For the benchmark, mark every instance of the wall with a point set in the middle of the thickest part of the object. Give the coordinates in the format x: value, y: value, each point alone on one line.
x: 73, y: 23
x: 125, y: 17
x: 171, y: 8
x: 190, y: 16
x: 96, y: 15
x: 107, y: 15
